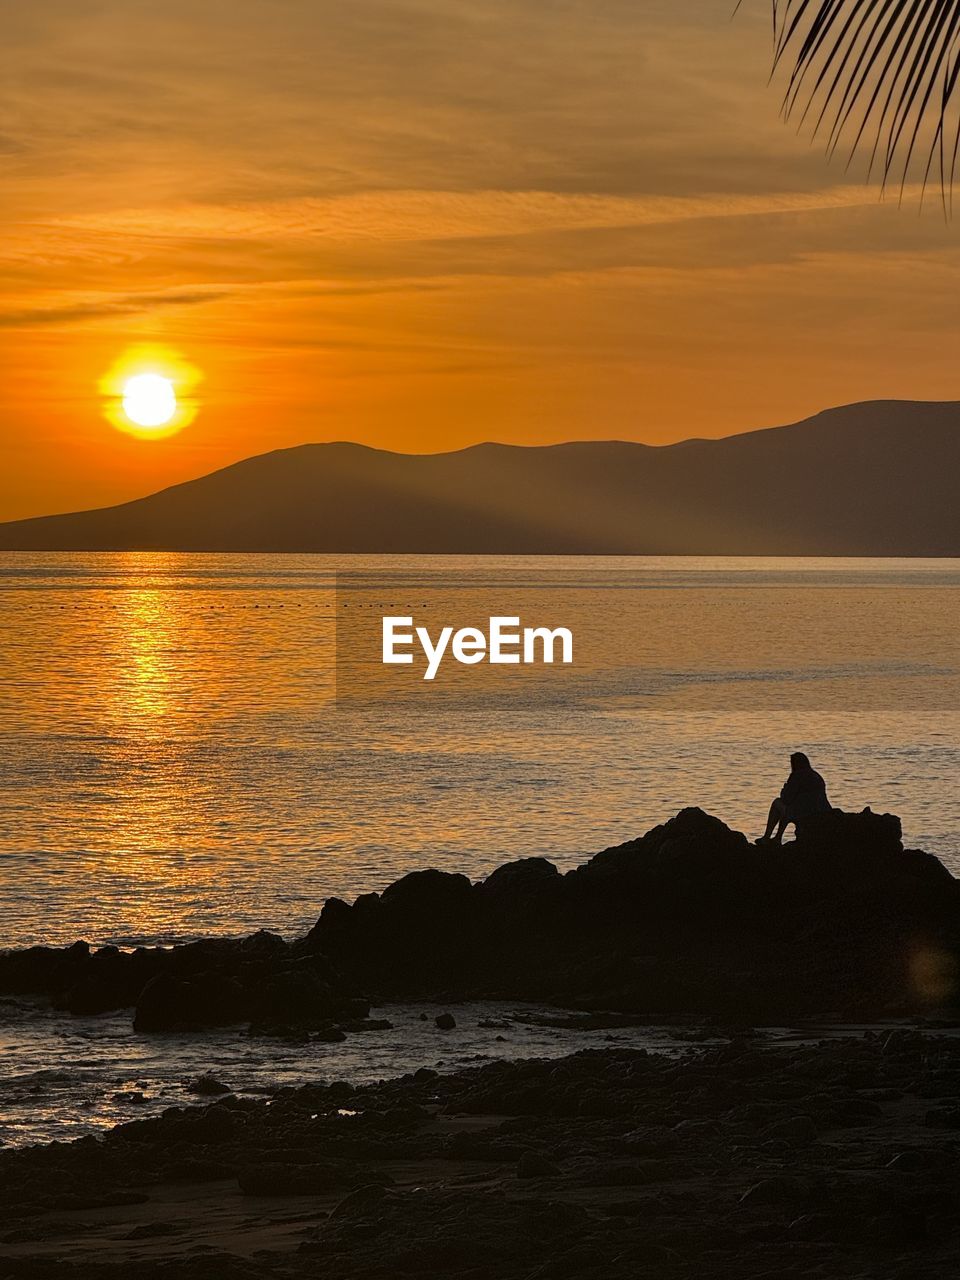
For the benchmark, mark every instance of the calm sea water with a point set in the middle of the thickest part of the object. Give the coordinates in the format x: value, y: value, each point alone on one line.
x: 173, y: 761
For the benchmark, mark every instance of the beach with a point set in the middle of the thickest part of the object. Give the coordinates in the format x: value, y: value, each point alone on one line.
x: 822, y: 1159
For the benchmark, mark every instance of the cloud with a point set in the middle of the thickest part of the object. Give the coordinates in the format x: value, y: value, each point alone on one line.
x: 297, y: 96
x: 422, y: 215
x: 104, y: 308
x: 414, y: 241
x: 308, y: 144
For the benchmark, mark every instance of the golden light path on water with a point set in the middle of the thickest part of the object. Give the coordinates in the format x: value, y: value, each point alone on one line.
x: 172, y: 762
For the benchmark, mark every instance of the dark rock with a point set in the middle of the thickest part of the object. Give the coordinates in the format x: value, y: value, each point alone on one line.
x: 277, y: 1179
x: 172, y: 1004
x: 901, y: 1227
x: 914, y: 1161
x: 427, y: 895
x: 445, y: 1021
x: 798, y: 1129
x: 854, y: 1111
x: 302, y: 997
x: 523, y: 878
x: 689, y: 919
x: 358, y: 1204
x: 620, y: 1175
x: 208, y: 1086
x: 152, y: 1230
x: 533, y: 1165
x: 777, y: 1190
x: 816, y: 1226
x: 284, y: 1031
x: 330, y: 1035
x: 873, y: 834
x: 264, y: 945
x: 943, y: 1118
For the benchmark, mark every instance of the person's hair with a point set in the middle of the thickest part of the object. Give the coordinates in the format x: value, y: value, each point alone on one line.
x: 799, y: 761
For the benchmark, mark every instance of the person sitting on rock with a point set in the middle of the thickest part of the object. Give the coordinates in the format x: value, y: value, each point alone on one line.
x: 803, y: 796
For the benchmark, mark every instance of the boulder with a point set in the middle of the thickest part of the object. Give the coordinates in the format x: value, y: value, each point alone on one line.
x: 173, y: 1004
x: 208, y: 1086
x: 851, y: 834
x: 301, y: 997
x: 432, y: 894
x: 521, y: 879
x: 264, y: 945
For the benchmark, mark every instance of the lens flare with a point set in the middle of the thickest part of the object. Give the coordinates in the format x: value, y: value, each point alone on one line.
x: 933, y: 974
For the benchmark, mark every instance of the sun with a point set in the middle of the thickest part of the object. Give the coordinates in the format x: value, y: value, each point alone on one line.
x: 150, y: 392
x: 149, y: 400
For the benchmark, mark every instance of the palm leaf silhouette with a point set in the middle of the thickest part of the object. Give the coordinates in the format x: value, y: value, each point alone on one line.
x: 876, y: 76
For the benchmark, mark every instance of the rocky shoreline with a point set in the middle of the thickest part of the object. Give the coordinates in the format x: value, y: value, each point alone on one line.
x: 747, y: 1158
x: 837, y: 1158
x: 689, y: 920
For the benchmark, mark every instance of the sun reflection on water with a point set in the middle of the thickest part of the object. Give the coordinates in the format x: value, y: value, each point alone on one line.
x: 149, y: 626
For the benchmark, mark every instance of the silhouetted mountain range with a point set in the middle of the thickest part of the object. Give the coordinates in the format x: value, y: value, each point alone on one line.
x: 878, y: 478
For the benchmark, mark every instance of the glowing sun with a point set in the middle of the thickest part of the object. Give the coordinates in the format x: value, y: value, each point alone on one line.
x: 150, y: 392
x: 149, y: 400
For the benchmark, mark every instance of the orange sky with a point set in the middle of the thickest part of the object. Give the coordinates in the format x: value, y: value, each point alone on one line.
x: 424, y: 223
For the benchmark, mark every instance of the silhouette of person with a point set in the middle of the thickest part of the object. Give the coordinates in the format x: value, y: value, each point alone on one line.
x: 803, y: 795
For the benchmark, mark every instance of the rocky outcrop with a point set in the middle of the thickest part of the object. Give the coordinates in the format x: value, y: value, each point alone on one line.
x: 215, y: 982
x: 689, y: 919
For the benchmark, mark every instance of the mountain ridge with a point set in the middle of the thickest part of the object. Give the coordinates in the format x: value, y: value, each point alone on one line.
x: 872, y: 478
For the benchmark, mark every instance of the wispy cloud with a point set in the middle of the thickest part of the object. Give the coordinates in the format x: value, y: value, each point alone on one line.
x: 438, y: 215
x: 101, y: 308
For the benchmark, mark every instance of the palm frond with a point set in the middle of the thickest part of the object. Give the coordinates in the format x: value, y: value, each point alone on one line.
x: 877, y: 76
